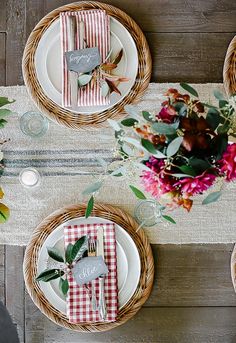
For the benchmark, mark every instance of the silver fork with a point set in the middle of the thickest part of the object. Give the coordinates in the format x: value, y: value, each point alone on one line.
x: 92, y: 252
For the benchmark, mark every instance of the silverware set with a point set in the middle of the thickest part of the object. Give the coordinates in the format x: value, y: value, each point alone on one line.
x: 96, y: 248
x: 73, y: 76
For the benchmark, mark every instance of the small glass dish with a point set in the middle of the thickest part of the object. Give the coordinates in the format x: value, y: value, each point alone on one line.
x: 148, y: 213
x: 29, y: 177
x: 33, y: 124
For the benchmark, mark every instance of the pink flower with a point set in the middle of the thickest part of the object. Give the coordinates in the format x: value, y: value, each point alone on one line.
x: 228, y: 162
x: 157, y: 182
x: 195, y: 185
x: 167, y: 114
x: 156, y: 185
x: 155, y: 164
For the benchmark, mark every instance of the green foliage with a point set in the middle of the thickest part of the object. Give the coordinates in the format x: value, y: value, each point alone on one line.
x: 163, y: 128
x: 63, y: 286
x: 148, y: 145
x: 212, y: 197
x: 55, y: 254
x: 189, y: 89
x: 89, y: 207
x: 169, y: 219
x: 137, y: 192
x: 174, y: 146
x: 129, y: 122
x: 93, y: 188
x: 49, y: 274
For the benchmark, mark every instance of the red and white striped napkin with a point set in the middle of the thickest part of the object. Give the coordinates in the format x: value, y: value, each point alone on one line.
x: 97, y: 34
x: 79, y: 308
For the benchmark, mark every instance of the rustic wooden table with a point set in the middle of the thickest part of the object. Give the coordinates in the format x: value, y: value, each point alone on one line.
x: 193, y: 298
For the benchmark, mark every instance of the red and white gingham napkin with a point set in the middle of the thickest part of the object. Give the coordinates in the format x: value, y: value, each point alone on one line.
x: 78, y: 297
x: 97, y: 34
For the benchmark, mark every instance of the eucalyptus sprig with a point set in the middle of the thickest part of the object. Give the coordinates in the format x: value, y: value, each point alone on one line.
x: 73, y: 253
x: 179, y: 152
x: 102, y: 74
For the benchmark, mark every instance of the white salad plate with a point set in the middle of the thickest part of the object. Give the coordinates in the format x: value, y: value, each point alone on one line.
x: 128, y: 263
x: 48, y: 64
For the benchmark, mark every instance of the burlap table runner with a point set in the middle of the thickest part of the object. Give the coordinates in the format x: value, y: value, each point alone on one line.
x: 67, y: 161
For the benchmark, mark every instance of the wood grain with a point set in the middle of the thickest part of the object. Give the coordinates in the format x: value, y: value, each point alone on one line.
x: 15, y: 42
x: 35, y: 12
x: 2, y: 273
x: 34, y: 322
x: 190, y: 57
x: 186, y: 275
x: 188, y: 43
x: 14, y: 287
x: 174, y: 15
x: 2, y: 59
x: 192, y: 275
x: 164, y: 325
x: 3, y: 15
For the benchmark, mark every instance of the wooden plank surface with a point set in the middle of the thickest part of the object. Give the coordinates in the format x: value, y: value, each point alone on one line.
x: 174, y: 15
x: 2, y: 59
x: 188, y: 41
x: 34, y: 322
x: 192, y: 299
x: 192, y: 275
x: 2, y: 273
x: 14, y: 287
x: 35, y: 12
x: 161, y: 325
x: 191, y: 282
x: 190, y: 57
x: 3, y: 15
x: 15, y: 42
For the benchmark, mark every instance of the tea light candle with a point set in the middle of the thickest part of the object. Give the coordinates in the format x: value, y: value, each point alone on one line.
x: 29, y: 177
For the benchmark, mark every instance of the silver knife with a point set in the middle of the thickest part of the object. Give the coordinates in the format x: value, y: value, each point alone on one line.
x: 73, y: 76
x: 100, y: 252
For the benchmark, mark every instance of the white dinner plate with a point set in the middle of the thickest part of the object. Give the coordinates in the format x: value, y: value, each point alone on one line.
x: 48, y: 64
x: 128, y: 263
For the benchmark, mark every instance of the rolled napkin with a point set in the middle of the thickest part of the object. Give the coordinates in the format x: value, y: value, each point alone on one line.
x: 79, y: 308
x: 96, y: 32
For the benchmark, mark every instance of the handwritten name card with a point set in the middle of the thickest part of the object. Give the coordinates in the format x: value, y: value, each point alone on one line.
x: 83, y: 60
x: 88, y: 269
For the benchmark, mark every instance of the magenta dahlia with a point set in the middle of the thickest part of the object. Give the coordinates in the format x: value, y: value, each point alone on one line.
x: 195, y: 185
x: 228, y: 162
x: 156, y: 182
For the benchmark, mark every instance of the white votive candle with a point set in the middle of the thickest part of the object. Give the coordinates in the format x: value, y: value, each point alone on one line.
x: 29, y: 177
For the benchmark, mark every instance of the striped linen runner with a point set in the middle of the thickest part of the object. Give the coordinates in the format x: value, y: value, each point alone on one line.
x: 68, y: 162
x: 97, y: 34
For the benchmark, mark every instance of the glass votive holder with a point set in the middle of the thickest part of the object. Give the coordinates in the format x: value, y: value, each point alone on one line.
x: 33, y: 124
x: 148, y: 213
x: 29, y: 177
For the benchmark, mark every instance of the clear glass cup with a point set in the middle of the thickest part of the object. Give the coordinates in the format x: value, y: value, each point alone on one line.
x: 148, y: 213
x: 33, y: 124
x: 29, y: 177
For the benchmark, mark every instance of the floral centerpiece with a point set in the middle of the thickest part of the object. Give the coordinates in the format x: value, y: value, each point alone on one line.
x: 4, y: 210
x: 181, y: 151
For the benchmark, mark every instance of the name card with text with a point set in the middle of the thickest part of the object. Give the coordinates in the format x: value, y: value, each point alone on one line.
x: 88, y: 269
x: 83, y: 60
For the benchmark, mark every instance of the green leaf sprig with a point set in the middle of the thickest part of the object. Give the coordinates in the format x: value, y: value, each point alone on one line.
x: 73, y: 253
x: 103, y: 75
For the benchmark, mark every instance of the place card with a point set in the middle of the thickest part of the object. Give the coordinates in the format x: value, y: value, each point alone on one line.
x: 83, y: 60
x: 88, y: 269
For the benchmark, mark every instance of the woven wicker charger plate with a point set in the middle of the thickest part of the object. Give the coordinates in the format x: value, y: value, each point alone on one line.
x: 59, y: 114
x: 105, y: 211
x: 233, y: 267
x: 229, y: 72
